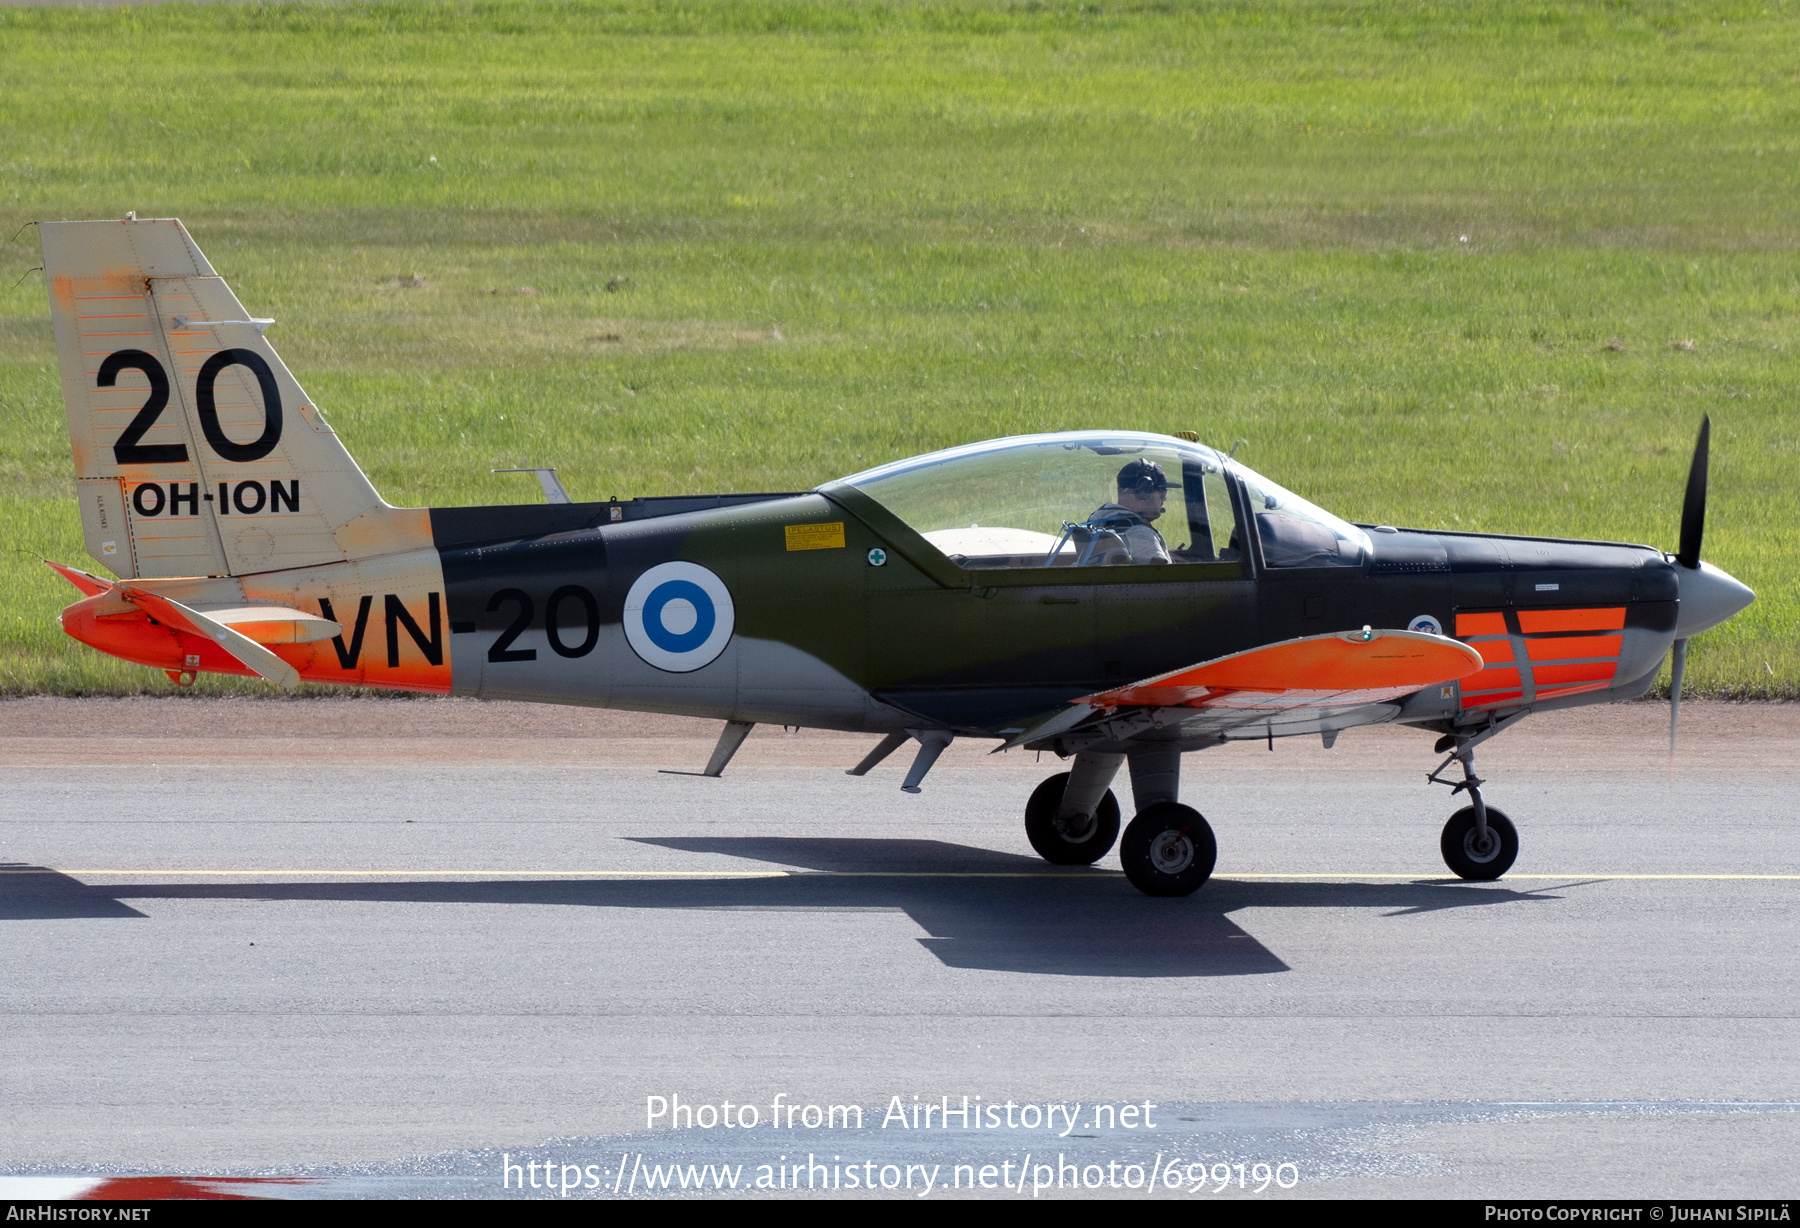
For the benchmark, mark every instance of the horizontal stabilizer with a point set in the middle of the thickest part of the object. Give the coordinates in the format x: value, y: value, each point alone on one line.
x: 254, y: 656
x: 1368, y: 665
x: 272, y: 624
x: 89, y: 584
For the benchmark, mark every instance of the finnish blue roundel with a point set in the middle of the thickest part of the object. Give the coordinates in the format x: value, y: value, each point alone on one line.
x: 699, y: 616
x: 678, y: 617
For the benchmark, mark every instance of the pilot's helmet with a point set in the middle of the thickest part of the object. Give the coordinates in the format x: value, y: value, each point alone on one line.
x: 1143, y: 477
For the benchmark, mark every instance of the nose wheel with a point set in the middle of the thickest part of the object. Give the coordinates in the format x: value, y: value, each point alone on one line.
x: 1475, y: 854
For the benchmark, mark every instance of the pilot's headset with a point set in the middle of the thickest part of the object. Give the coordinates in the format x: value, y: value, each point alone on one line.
x: 1143, y: 477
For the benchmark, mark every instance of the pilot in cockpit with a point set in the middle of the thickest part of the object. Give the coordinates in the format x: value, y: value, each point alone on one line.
x: 1143, y: 489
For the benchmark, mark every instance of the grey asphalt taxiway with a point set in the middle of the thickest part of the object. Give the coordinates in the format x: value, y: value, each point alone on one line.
x: 388, y: 942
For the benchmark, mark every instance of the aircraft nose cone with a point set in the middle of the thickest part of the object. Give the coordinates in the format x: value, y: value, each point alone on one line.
x: 1708, y: 597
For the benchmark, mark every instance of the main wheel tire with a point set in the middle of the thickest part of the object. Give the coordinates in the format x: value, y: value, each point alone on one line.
x: 1069, y: 843
x: 1464, y: 852
x: 1168, y: 850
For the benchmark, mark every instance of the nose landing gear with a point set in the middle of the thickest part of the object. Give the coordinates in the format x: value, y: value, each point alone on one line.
x: 1479, y: 843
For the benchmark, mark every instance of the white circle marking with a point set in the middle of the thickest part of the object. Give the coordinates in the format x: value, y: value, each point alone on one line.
x: 678, y: 614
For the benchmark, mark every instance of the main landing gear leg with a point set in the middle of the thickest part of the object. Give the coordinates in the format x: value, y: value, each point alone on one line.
x: 1169, y: 848
x: 1479, y: 843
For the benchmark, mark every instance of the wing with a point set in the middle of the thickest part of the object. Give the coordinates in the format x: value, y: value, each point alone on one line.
x: 1319, y: 681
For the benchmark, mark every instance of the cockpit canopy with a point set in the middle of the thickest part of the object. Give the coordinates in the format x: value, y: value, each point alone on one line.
x: 1054, y: 501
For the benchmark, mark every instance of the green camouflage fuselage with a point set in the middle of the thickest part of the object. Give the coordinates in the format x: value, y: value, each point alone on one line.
x: 882, y: 632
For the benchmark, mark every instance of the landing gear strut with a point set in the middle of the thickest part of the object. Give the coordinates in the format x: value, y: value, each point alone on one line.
x: 1479, y: 843
x: 1073, y: 819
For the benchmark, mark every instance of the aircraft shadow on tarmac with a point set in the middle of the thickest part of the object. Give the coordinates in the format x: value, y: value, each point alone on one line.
x: 33, y: 893
x: 1060, y: 921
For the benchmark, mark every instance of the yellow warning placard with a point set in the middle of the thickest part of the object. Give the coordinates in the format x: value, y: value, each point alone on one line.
x: 816, y: 536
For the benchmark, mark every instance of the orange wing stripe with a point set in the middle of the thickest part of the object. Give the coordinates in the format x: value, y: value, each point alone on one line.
x: 1392, y: 661
x: 1331, y: 663
x: 1611, y: 619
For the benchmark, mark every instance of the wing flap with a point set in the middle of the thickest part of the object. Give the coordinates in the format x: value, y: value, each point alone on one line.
x: 1049, y: 724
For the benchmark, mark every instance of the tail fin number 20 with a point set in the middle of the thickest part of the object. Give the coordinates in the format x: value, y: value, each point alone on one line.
x: 130, y: 451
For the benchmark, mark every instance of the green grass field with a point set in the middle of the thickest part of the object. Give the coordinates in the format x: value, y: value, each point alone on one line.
x: 1477, y: 266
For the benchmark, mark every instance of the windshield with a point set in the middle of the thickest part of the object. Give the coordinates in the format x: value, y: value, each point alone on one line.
x: 1294, y: 533
x: 1079, y: 498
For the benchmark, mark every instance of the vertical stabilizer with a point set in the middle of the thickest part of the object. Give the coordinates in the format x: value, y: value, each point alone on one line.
x: 196, y: 451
